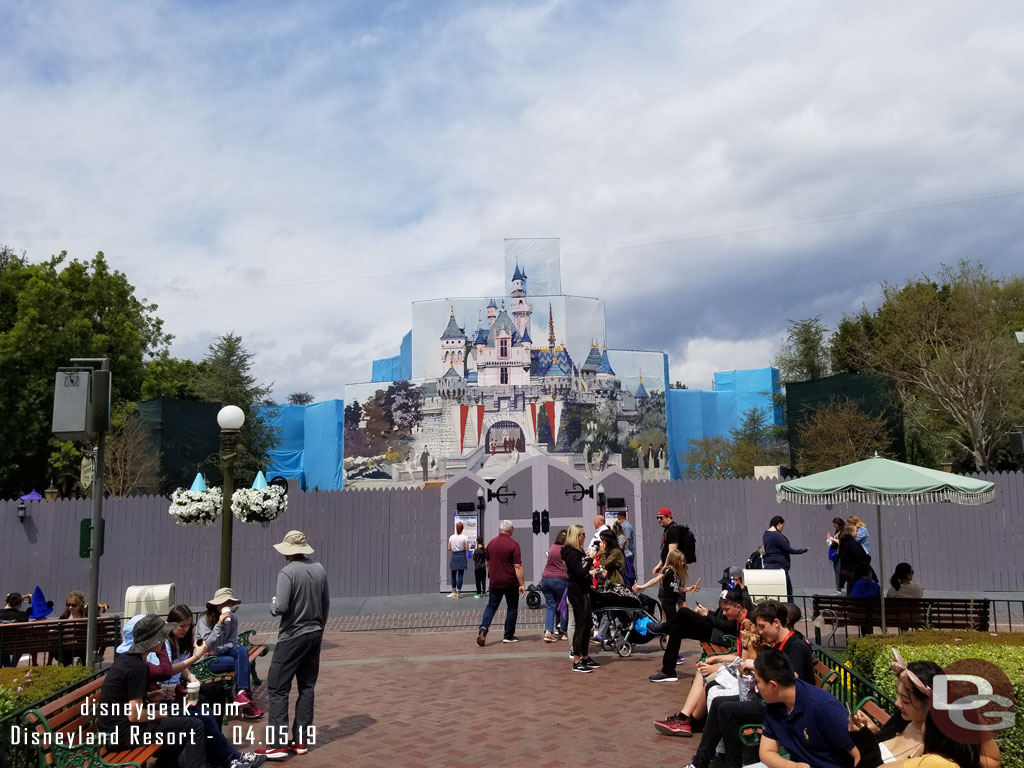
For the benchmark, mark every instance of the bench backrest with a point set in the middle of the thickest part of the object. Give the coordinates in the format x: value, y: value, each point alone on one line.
x: 908, y: 613
x: 42, y: 636
x: 64, y: 715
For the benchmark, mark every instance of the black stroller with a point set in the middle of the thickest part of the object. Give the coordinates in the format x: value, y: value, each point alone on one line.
x: 629, y: 614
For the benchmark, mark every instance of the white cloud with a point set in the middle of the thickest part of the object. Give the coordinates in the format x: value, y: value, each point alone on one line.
x: 300, y: 173
x: 699, y: 359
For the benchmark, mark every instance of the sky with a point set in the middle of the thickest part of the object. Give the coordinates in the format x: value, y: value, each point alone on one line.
x: 299, y: 173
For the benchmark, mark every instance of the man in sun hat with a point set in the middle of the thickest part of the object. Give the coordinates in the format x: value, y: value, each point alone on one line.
x: 303, y: 603
x: 122, y: 702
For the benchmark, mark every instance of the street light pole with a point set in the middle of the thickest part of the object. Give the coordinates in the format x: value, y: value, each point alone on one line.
x: 230, y: 418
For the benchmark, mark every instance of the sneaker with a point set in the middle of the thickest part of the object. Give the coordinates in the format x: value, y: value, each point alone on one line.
x: 597, y: 639
x: 251, y: 712
x: 563, y: 636
x: 590, y: 663
x: 580, y: 666
x: 481, y: 636
x: 451, y: 594
x: 572, y: 655
x: 478, y: 595
x: 658, y: 627
x: 676, y: 725
x: 300, y: 749
x: 243, y: 698
x: 272, y: 753
x: 548, y: 637
x: 512, y: 639
x: 661, y: 677
x: 248, y: 760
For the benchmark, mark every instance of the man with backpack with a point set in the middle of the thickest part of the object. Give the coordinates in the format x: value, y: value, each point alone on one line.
x: 674, y: 536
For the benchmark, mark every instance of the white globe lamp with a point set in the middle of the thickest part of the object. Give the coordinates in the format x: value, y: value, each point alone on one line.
x: 230, y: 417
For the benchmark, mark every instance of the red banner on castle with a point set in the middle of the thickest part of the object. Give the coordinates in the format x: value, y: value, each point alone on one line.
x: 463, y: 415
x: 479, y: 422
x: 549, y: 407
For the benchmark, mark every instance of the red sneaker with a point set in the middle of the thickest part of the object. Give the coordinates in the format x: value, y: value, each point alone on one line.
x: 675, y: 725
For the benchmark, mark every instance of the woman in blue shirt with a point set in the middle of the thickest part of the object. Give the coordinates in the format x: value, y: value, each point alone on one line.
x: 777, y: 551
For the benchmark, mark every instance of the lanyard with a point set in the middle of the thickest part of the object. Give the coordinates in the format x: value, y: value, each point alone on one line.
x: 780, y: 646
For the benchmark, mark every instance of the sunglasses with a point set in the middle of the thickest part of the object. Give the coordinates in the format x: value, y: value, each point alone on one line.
x: 663, y: 517
x: 70, y: 605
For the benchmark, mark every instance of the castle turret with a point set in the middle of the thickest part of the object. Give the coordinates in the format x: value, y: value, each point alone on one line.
x: 453, y: 343
x: 492, y: 312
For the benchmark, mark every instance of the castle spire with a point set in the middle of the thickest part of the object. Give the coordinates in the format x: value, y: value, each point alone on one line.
x: 551, y: 328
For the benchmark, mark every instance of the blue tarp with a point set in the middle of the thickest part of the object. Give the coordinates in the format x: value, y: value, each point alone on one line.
x: 696, y: 413
x: 310, y: 447
x: 324, y: 445
x: 397, y: 368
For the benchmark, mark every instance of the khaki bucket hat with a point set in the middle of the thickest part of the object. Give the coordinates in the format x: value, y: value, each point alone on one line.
x: 221, y: 597
x: 294, y: 544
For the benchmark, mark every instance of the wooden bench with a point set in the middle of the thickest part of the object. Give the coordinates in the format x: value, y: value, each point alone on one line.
x: 901, y: 613
x: 203, y: 673
x: 57, y: 637
x: 64, y: 716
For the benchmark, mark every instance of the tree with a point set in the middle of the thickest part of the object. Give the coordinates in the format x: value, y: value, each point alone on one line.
x: 803, y: 355
x: 49, y: 313
x: 353, y: 415
x: 755, y: 444
x: 948, y: 345
x: 132, y: 464
x: 708, y: 458
x: 678, y: 385
x: 226, y: 379
x: 168, y: 376
x: 838, y: 434
x: 300, y: 398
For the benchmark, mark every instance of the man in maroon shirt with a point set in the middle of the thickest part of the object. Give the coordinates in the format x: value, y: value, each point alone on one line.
x: 505, y: 563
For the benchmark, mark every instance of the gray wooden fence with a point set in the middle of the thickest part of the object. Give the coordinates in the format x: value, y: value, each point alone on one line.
x: 951, y: 547
x: 386, y: 541
x: 372, y: 542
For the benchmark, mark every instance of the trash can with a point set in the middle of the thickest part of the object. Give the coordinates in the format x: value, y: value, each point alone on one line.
x: 149, y: 598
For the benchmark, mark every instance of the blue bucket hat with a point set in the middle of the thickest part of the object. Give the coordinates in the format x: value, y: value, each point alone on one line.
x: 128, y: 630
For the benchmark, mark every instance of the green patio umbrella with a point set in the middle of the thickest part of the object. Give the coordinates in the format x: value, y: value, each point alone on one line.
x: 881, y: 481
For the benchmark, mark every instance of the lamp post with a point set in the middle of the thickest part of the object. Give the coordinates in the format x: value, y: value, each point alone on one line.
x: 21, y: 510
x: 230, y: 418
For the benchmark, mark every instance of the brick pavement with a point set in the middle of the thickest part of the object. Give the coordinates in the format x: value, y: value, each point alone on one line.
x: 414, y: 699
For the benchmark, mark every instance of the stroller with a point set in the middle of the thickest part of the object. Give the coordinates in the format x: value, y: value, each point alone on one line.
x: 629, y: 614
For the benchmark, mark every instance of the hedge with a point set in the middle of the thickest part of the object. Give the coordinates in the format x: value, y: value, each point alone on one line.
x: 21, y: 686
x: 870, y: 656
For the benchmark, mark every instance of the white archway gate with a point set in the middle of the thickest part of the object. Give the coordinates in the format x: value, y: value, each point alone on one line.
x: 537, y: 484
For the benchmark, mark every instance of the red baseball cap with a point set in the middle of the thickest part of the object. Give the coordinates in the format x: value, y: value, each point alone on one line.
x: 664, y: 512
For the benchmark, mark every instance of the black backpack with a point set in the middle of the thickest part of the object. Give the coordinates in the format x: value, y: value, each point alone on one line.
x: 754, y: 562
x: 688, y: 544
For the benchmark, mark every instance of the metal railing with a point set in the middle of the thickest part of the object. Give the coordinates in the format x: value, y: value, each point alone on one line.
x: 851, y: 688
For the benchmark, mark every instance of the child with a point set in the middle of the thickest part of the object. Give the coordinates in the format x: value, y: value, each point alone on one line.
x: 480, y: 567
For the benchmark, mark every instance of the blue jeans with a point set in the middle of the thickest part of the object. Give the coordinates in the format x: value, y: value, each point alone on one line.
x: 236, y: 660
x: 219, y: 751
x: 553, y: 590
x: 511, y: 595
x: 457, y: 580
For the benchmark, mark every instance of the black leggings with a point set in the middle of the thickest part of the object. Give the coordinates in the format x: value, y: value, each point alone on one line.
x: 686, y: 624
x: 583, y: 620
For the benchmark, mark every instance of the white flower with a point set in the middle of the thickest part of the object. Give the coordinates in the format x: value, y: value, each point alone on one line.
x: 196, y: 507
x: 259, y: 505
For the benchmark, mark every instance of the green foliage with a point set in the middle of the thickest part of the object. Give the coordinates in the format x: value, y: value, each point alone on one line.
x: 168, y: 376
x: 944, y: 647
x: 49, y: 313
x: 226, y: 378
x: 803, y: 355
x: 708, y: 457
x: 840, y: 433
x: 949, y: 346
x: 36, y: 683
x: 300, y: 398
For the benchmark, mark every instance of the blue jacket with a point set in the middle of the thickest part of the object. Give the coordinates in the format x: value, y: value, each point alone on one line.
x: 865, y: 588
x: 777, y: 550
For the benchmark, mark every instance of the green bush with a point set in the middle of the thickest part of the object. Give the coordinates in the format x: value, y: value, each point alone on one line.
x: 22, y: 686
x: 1005, y: 650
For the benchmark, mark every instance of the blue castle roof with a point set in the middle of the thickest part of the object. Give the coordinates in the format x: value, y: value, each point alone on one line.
x: 605, y: 366
x: 593, y: 361
x: 502, y: 322
x: 525, y: 338
x: 641, y: 392
x: 518, y: 274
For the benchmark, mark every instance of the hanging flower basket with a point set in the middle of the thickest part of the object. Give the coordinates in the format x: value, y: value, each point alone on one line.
x: 196, y: 507
x: 259, y: 505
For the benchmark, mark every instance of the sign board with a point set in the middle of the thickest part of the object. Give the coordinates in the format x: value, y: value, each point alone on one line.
x: 85, y: 538
x: 470, y: 527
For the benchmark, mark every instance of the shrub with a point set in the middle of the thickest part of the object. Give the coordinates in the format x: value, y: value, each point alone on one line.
x: 22, y: 686
x: 944, y: 647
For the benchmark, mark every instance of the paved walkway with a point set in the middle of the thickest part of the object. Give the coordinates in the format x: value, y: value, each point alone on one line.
x: 395, y: 698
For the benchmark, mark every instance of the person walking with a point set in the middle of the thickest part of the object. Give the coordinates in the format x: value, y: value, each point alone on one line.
x: 628, y: 549
x: 553, y: 581
x: 671, y: 538
x: 863, y: 535
x: 505, y: 564
x: 457, y: 544
x: 303, y: 603
x: 777, y: 551
x: 581, y: 579
x: 851, y: 555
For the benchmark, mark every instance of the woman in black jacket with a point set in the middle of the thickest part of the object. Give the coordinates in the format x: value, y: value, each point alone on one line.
x: 578, y: 568
x: 777, y: 550
x: 851, y: 555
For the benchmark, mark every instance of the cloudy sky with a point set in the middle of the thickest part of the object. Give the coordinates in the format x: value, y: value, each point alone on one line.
x: 300, y: 172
